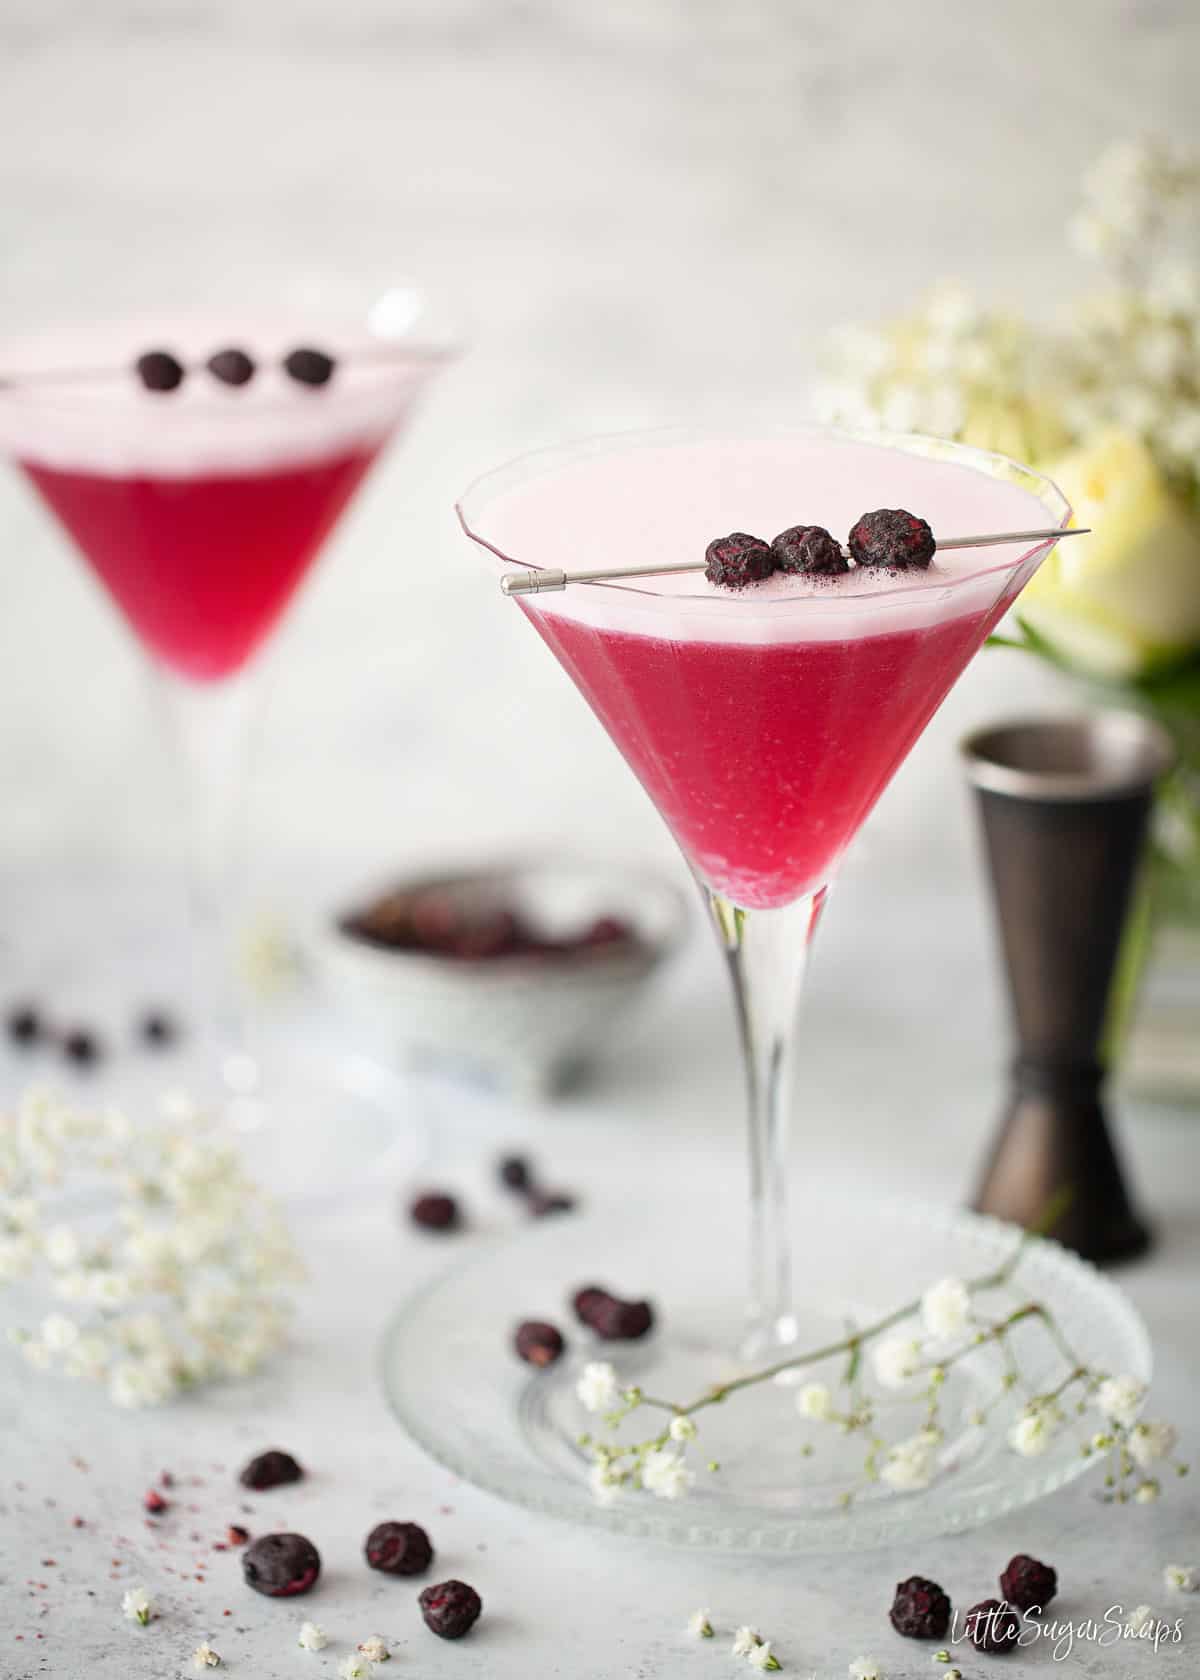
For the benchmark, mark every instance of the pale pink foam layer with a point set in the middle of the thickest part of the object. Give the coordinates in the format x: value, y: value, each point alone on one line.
x: 115, y: 427
x: 667, y: 501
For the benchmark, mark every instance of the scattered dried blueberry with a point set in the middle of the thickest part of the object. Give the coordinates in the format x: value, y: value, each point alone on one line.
x: 435, y: 1211
x: 450, y: 1609
x: 231, y: 367
x: 993, y: 1627
x: 737, y: 560
x: 308, y: 366
x: 611, y: 1318
x: 270, y: 1469
x: 892, y: 537
x: 538, y: 1343
x: 157, y: 1029
x: 541, y: 1203
x: 81, y: 1047
x: 398, y: 1548
x: 281, y: 1565
x: 516, y: 1173
x: 24, y: 1025
x: 158, y: 370
x: 236, y: 1535
x: 155, y: 1503
x: 1028, y: 1584
x: 810, y: 551
x: 920, y: 1609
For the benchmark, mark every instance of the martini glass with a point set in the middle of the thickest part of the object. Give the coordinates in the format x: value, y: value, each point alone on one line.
x: 200, y: 508
x: 764, y: 724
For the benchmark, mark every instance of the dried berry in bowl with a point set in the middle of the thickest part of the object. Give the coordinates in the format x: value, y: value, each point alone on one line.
x: 458, y: 921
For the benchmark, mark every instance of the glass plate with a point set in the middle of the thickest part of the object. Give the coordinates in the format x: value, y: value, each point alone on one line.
x: 460, y: 1392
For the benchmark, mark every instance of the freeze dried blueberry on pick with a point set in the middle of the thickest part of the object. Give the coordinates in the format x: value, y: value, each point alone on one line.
x: 281, y: 1565
x: 538, y: 1343
x: 893, y: 538
x: 435, y: 1211
x: 993, y: 1627
x: 308, y: 366
x: 24, y: 1025
x: 158, y: 370
x: 270, y: 1469
x: 809, y: 551
x: 737, y: 560
x: 398, y: 1548
x: 920, y: 1609
x: 231, y: 367
x: 1028, y: 1584
x: 450, y: 1609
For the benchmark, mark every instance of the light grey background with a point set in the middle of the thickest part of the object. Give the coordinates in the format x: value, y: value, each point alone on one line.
x: 643, y: 213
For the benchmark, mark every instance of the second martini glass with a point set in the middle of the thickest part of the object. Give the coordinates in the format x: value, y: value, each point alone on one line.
x: 764, y: 724
x: 199, y: 464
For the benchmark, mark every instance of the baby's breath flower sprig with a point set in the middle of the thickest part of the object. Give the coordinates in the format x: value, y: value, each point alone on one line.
x: 914, y: 1349
x: 188, y: 1280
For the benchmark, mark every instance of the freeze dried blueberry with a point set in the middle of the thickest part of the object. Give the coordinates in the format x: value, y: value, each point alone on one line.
x: 231, y: 367
x: 157, y: 1029
x: 81, y: 1047
x: 516, y: 1173
x: 24, y: 1025
x: 993, y: 1627
x: 810, y: 551
x: 450, y: 1609
x: 158, y: 370
x: 892, y: 537
x: 611, y: 1318
x: 543, y: 1202
x: 281, y: 1565
x: 920, y: 1609
x: 588, y: 1300
x: 308, y: 366
x: 538, y: 1343
x: 435, y: 1211
x: 737, y: 560
x: 398, y: 1548
x: 1028, y: 1584
x: 270, y: 1469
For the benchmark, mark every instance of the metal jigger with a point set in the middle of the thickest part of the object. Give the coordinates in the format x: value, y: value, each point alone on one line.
x: 1064, y: 804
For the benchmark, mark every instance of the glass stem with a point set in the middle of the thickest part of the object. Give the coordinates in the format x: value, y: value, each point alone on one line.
x: 207, y: 725
x: 767, y: 952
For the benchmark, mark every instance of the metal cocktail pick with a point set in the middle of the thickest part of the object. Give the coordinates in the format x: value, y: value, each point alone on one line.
x: 538, y: 583
x: 1064, y: 805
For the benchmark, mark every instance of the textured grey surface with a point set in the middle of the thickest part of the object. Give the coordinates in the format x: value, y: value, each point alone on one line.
x: 645, y: 212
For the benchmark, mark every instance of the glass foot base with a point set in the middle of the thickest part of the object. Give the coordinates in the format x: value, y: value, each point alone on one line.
x: 459, y: 1390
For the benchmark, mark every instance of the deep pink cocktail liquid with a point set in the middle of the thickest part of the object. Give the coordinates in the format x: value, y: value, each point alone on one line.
x: 766, y: 759
x: 202, y: 565
x: 764, y: 723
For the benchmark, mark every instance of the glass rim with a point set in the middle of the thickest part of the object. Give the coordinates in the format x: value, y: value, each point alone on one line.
x: 433, y: 338
x: 535, y: 463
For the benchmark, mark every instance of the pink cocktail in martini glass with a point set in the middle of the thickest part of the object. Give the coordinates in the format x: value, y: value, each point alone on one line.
x: 764, y: 723
x: 201, y: 507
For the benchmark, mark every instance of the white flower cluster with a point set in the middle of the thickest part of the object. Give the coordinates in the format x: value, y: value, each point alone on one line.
x: 185, y: 1280
x: 1129, y: 356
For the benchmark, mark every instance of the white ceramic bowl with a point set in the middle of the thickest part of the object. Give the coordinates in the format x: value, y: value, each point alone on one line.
x: 528, y: 1023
